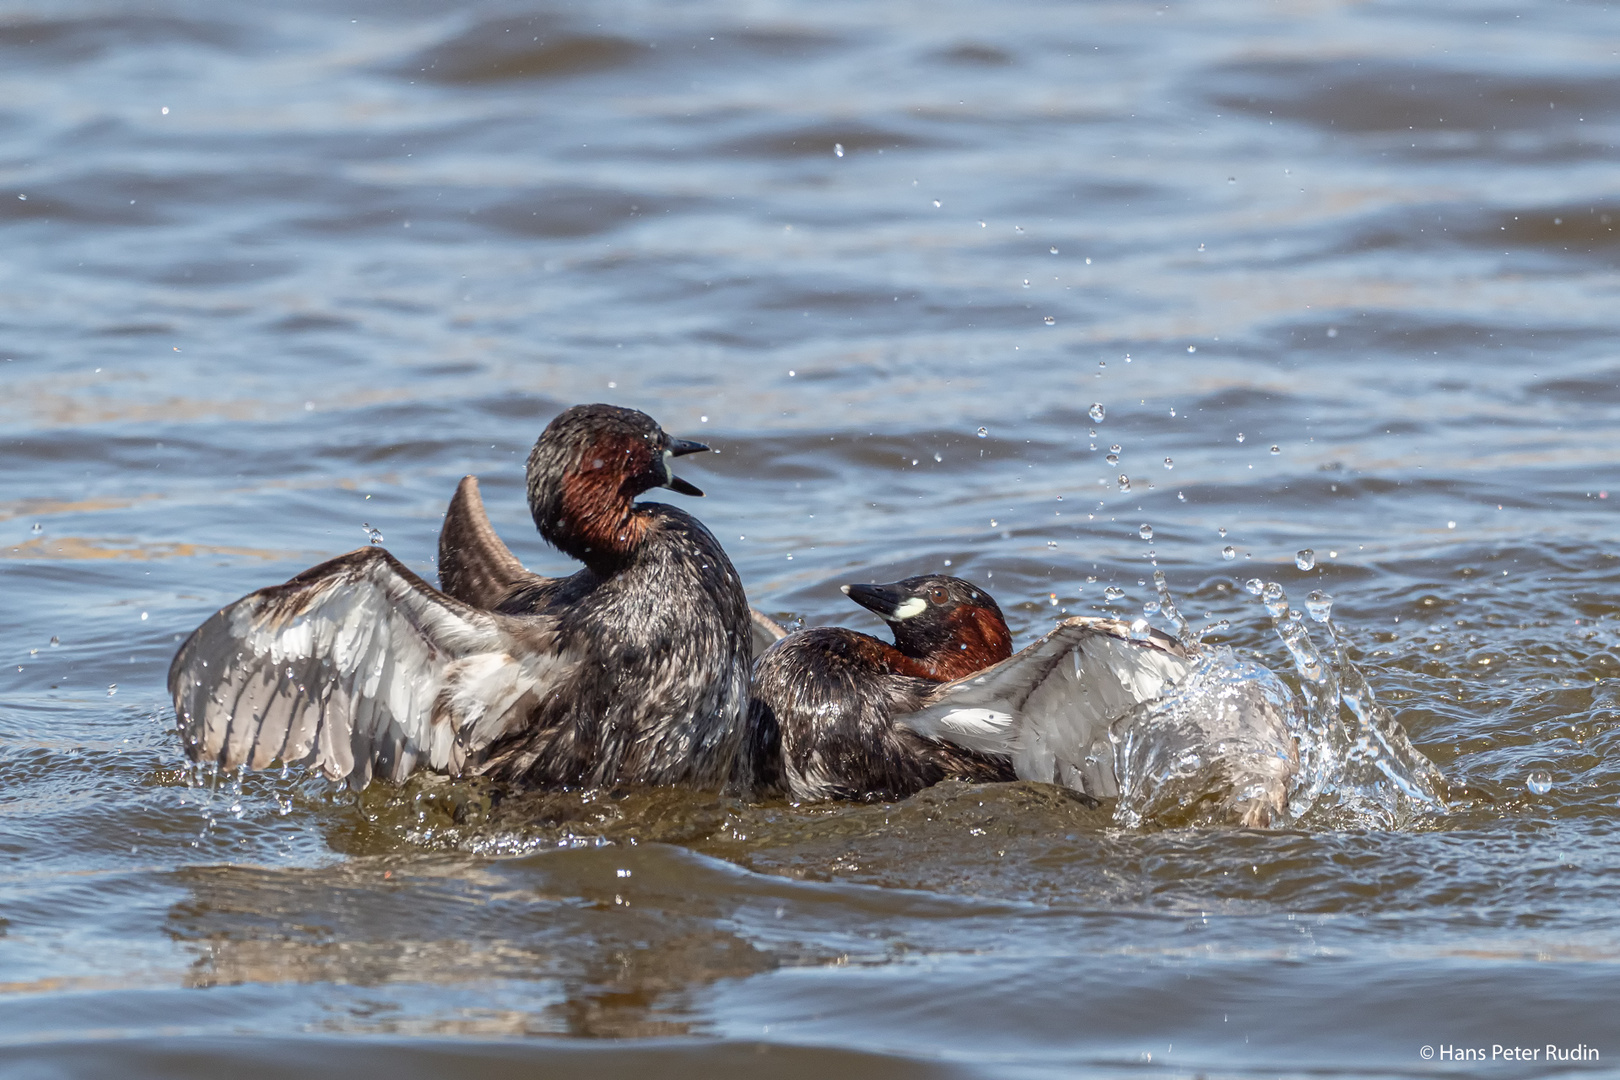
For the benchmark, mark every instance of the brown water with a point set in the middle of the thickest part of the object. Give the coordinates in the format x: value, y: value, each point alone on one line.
x: 370, y: 248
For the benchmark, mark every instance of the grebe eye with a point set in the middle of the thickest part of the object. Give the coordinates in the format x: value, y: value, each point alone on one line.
x: 937, y: 594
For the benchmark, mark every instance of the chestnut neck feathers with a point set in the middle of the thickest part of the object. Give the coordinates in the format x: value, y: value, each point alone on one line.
x: 944, y: 627
x: 584, y: 474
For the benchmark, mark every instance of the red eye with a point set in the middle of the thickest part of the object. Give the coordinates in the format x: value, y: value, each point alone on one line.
x: 937, y: 594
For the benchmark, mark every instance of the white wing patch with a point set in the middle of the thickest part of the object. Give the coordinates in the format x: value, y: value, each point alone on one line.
x: 1049, y: 706
x: 358, y: 667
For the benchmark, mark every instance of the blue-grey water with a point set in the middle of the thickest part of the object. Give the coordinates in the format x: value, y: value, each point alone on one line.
x: 270, y: 273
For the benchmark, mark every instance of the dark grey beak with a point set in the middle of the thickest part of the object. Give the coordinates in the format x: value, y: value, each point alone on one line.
x: 680, y: 448
x: 882, y: 600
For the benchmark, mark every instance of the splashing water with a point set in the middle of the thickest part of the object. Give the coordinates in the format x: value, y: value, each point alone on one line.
x: 1097, y: 413
x: 1305, y: 559
x: 1230, y: 743
x: 373, y: 536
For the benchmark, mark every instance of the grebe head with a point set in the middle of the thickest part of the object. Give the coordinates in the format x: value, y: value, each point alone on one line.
x: 586, y: 469
x: 954, y: 627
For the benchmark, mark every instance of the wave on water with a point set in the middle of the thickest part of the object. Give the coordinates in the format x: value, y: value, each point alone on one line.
x: 1232, y: 743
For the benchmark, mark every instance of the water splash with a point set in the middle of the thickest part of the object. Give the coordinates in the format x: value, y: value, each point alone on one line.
x: 1231, y: 743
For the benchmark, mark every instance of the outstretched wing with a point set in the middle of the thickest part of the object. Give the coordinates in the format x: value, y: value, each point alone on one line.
x: 477, y: 568
x: 358, y: 667
x: 1048, y: 707
x: 764, y: 631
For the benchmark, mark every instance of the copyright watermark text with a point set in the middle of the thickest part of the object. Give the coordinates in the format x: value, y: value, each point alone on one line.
x: 1497, y: 1052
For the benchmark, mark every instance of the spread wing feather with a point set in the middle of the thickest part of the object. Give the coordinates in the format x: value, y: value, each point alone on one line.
x: 1048, y: 707
x: 358, y: 667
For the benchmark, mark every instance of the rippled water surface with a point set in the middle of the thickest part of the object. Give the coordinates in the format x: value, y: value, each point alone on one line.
x: 274, y: 272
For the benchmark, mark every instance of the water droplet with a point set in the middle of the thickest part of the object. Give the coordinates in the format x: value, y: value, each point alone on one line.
x: 1051, y: 543
x: 1097, y: 412
x: 1102, y: 363
x: 1019, y: 229
x: 1052, y: 598
x: 1192, y: 348
x: 1113, y: 592
x: 1539, y: 782
x: 1305, y: 559
x: 1222, y: 531
x: 1228, y: 552
x: 373, y: 536
x: 1140, y: 630
x: 1320, y: 605
x: 1169, y: 464
x: 1026, y: 283
x: 1275, y: 449
x: 1151, y: 607
x: 38, y: 527
x: 1050, y: 321
x: 1145, y: 532
x: 838, y: 149
x: 1112, y: 459
x: 937, y: 457
x: 1053, y: 250
x: 1200, y: 247
x: 1124, y: 482
x: 1333, y: 331
x: 1254, y: 586
x: 143, y: 616
x: 993, y: 523
x: 113, y: 689
x: 1240, y: 436
x: 1275, y: 599
x: 936, y: 204
x: 984, y: 433
x: 55, y: 641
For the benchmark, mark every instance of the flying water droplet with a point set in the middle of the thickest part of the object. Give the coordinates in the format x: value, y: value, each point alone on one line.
x: 838, y: 149
x: 984, y: 433
x: 1114, y: 449
x: 1228, y: 552
x: 1222, y: 532
x: 1113, y: 592
x: 1097, y: 412
x: 373, y: 536
x: 1275, y: 449
x: 1240, y: 436
x: 1275, y: 599
x: 55, y: 641
x: 1140, y: 630
x: 1151, y: 607
x: 37, y: 527
x: 1254, y: 586
x: 1539, y: 782
x: 1305, y: 559
x: 1053, y: 250
x: 936, y: 204
x: 1320, y: 605
x: 1112, y: 459
x: 1168, y: 464
x: 1050, y: 321
x: 1145, y: 532
x: 1051, y: 543
x: 1124, y: 482
x: 1026, y: 283
x: 112, y: 690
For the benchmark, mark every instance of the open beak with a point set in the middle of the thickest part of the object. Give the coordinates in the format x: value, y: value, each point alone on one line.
x: 679, y: 448
x: 884, y: 601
